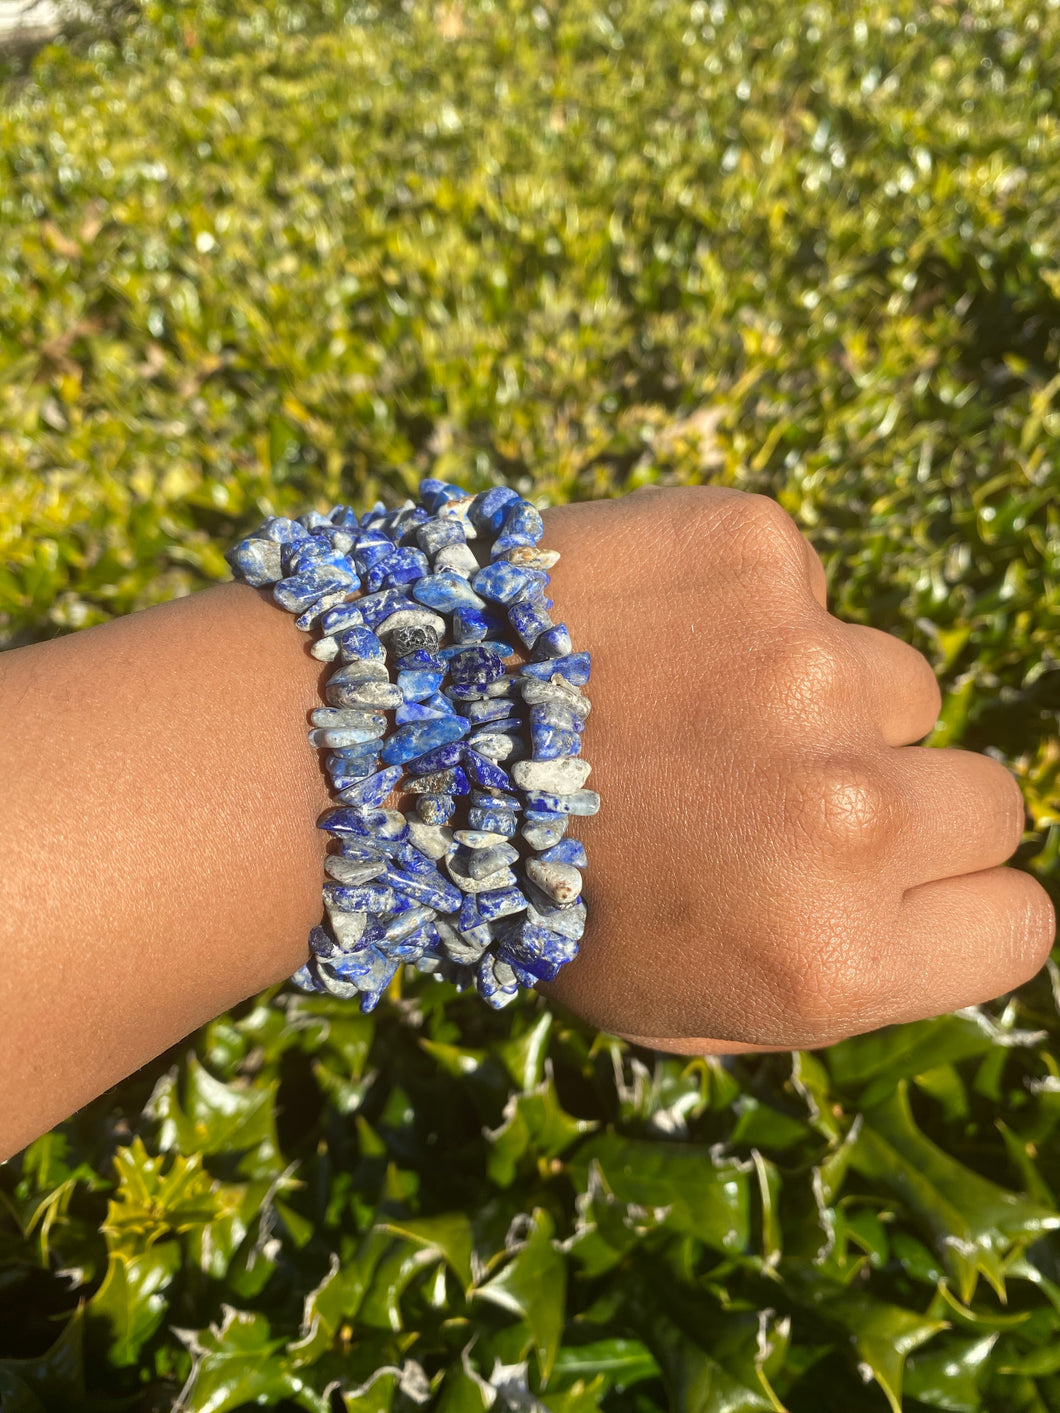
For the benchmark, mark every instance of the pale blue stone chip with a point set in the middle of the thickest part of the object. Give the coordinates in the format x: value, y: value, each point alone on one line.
x: 522, y: 519
x: 343, y: 616
x: 578, y: 802
x: 488, y: 510
x: 358, y: 643
x: 574, y: 667
x: 446, y: 591
x: 502, y: 582
x: 256, y: 561
x: 493, y: 821
x: 373, y: 789
x: 555, y: 643
x: 503, y: 902
x: 416, y: 684
x: 435, y: 808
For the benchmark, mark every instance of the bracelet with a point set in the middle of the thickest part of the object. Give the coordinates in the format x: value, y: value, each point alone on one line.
x: 489, y: 754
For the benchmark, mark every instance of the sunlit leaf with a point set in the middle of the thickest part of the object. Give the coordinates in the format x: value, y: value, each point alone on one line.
x: 621, y: 1361
x: 533, y: 1285
x: 883, y: 1336
x: 973, y: 1221
x: 534, y: 1122
x: 132, y: 1299
x: 234, y: 1363
x: 949, y: 1376
x: 450, y: 1236
x: 708, y: 1195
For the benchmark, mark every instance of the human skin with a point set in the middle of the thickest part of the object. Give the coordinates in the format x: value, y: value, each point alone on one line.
x: 776, y: 865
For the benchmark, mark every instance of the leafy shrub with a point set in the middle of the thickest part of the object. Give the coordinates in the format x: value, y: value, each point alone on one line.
x: 254, y: 259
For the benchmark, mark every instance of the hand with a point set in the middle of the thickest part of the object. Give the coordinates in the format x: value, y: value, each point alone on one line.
x: 775, y: 864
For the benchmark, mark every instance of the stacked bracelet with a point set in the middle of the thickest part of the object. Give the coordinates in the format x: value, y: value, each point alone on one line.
x: 479, y: 885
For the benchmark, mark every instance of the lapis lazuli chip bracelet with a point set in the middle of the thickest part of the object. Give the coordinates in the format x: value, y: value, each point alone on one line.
x: 476, y: 882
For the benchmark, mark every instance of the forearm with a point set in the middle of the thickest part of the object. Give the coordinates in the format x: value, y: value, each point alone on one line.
x: 158, y: 856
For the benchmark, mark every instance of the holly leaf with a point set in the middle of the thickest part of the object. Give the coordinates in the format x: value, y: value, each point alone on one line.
x: 157, y: 1196
x: 948, y: 1374
x: 708, y: 1195
x: 55, y: 1378
x: 217, y: 1117
x: 718, y: 1371
x: 523, y: 1055
x: 449, y: 1236
x: 381, y: 1306
x: 132, y: 1298
x: 883, y: 1335
x: 240, y: 1362
x: 621, y: 1362
x: 973, y: 1222
x: 534, y: 1122
x: 533, y: 1285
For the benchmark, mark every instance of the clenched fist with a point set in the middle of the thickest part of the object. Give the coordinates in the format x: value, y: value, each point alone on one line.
x: 775, y: 864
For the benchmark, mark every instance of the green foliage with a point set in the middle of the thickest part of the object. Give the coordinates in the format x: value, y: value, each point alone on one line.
x: 257, y: 258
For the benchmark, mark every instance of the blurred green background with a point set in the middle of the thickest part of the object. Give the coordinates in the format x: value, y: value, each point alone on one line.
x: 261, y: 258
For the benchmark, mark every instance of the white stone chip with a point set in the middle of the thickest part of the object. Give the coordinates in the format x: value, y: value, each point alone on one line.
x: 456, y: 508
x: 336, y: 986
x: 361, y: 669
x: 353, y: 871
x: 347, y: 927
x: 502, y: 878
x: 325, y: 649
x: 328, y: 717
x: 557, y: 690
x: 434, y: 840
x: 527, y: 558
x: 405, y: 924
x: 484, y: 862
x: 460, y: 559
x: 459, y: 948
x: 543, y: 836
x: 338, y: 738
x: 410, y: 618
x: 562, y: 882
x: 497, y: 745
x: 479, y: 838
x: 558, y: 777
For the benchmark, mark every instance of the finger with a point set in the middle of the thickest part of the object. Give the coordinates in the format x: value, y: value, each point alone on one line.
x: 685, y: 1045
x: 964, y: 812
x: 967, y: 940
x: 903, y: 693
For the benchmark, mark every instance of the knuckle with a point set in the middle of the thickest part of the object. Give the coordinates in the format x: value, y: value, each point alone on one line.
x: 837, y: 966
x: 769, y: 534
x: 826, y: 991
x: 807, y: 668
x: 845, y: 808
x: 694, y: 517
